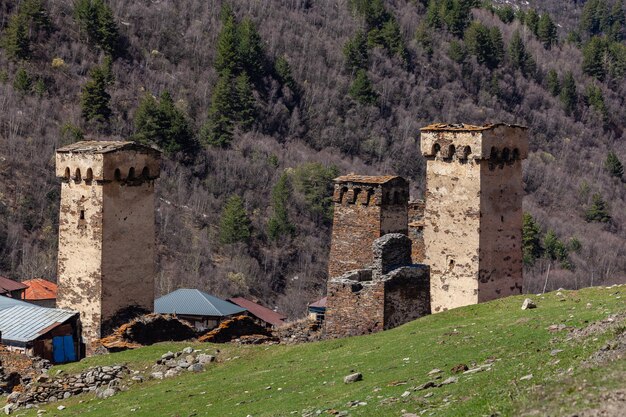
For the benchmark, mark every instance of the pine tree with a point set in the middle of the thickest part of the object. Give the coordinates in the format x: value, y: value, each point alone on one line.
x: 94, y: 98
x: 234, y: 222
x: 16, y: 41
x: 107, y: 37
x: 283, y: 73
x: 517, y: 51
x: 589, y: 21
x: 485, y: 43
x: 614, y: 165
x: 227, y: 56
x: 532, y: 21
x: 392, y: 39
x: 279, y: 224
x: 433, y: 17
x: 245, y: 112
x: 598, y: 211
x: 361, y: 89
x: 594, y: 53
x: 531, y: 243
x: 457, y: 16
x: 36, y: 12
x: 355, y: 52
x: 250, y: 50
x: 553, y: 83
x: 595, y: 99
x: 547, y: 31
x: 569, y: 95
x: 497, y: 47
x: 218, y: 129
x: 22, y: 81
x: 424, y: 38
x: 505, y: 13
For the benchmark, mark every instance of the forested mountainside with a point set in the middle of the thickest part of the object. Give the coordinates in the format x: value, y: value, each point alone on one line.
x: 258, y: 105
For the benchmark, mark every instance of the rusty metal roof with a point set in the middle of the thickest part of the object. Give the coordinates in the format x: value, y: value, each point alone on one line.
x: 40, y: 289
x: 8, y: 285
x: 23, y: 322
x: 367, y: 179
x: 103, y: 146
x: 461, y: 127
x: 257, y: 310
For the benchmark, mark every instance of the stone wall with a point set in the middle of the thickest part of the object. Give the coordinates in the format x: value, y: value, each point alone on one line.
x: 389, y: 294
x: 416, y: 230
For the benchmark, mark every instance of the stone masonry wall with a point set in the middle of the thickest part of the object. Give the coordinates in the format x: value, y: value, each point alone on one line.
x: 80, y: 253
x: 407, y: 295
x: 416, y: 231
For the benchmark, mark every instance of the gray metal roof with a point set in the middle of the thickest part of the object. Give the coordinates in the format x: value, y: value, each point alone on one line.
x: 7, y: 302
x: 24, y: 323
x: 194, y: 303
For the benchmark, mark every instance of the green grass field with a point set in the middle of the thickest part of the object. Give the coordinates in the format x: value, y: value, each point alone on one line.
x: 307, y: 379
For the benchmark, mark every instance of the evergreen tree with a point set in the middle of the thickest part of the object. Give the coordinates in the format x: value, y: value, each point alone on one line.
x: 457, y: 51
x: 94, y: 98
x: 35, y: 11
x: 227, y: 56
x: 423, y: 38
x: 218, y: 129
x: 485, y: 43
x: 161, y: 123
x: 594, y: 53
x: 234, y: 222
x: 16, y: 41
x: 279, y: 224
x: 547, y: 31
x: 433, y: 17
x: 598, y: 211
x: 614, y: 165
x: 531, y: 242
x: 22, y: 81
x: 569, y: 95
x: 497, y: 46
x: 245, y: 112
x: 617, y: 22
x: 590, y: 18
x: 361, y: 89
x: 392, y: 39
x: 505, y: 13
x: 283, y: 73
x: 96, y: 19
x: 250, y: 50
x: 517, y: 52
x: 355, y: 52
x: 532, y: 21
x: 553, y: 83
x: 595, y: 99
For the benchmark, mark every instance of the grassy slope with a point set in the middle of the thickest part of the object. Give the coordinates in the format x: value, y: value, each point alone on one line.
x: 310, y: 376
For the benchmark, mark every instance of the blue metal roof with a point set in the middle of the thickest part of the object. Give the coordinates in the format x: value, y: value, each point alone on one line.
x: 24, y: 323
x: 194, y: 303
x: 8, y: 302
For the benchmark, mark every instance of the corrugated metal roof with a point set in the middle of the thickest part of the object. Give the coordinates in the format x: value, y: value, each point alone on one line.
x: 267, y: 315
x: 24, y: 323
x: 195, y: 303
x: 7, y: 285
x: 7, y: 302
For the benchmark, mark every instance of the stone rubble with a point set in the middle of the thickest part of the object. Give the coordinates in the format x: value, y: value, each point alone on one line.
x: 172, y: 364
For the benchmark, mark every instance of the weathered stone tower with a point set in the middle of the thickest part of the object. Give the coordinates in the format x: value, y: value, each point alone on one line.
x: 106, y: 232
x: 366, y: 208
x: 473, y: 215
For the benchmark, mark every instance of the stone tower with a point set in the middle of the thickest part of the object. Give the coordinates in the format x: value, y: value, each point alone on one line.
x: 473, y: 214
x: 106, y: 261
x: 366, y: 208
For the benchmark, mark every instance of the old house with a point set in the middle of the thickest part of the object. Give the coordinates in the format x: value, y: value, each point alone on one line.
x: 317, y: 310
x: 49, y: 333
x: 264, y: 316
x: 106, y: 260
x: 10, y: 288
x: 41, y: 292
x: 202, y: 310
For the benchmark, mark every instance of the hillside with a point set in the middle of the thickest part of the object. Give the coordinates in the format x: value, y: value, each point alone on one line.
x: 562, y: 345
x: 323, y: 87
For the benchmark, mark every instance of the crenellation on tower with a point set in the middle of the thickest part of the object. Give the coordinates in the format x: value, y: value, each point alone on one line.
x: 106, y: 231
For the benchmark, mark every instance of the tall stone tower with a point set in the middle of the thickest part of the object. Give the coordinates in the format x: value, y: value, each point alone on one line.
x: 366, y: 208
x: 106, y: 232
x: 473, y: 214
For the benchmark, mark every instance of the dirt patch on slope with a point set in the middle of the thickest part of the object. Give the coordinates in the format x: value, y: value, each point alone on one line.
x: 611, y: 322
x: 612, y: 404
